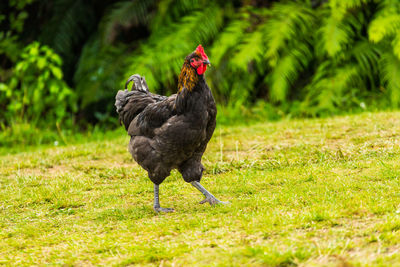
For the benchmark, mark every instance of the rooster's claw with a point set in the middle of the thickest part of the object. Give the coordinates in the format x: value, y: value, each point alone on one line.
x: 159, y: 209
x: 213, y: 201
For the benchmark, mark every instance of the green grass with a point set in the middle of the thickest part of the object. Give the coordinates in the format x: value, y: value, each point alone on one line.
x: 302, y: 192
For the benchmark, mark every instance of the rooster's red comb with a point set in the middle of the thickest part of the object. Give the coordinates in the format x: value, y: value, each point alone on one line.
x: 200, y: 50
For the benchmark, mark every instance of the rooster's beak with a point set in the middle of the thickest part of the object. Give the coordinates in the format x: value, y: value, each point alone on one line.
x: 207, y: 62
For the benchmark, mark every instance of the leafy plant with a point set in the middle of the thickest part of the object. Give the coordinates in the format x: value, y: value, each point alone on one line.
x: 303, y: 57
x: 36, y: 93
x: 160, y: 58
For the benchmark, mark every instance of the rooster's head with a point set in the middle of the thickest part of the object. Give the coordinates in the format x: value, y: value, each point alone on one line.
x: 198, y: 60
x: 193, y: 68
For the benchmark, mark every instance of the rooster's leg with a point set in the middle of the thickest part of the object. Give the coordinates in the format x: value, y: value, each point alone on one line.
x: 209, y: 197
x: 157, y: 207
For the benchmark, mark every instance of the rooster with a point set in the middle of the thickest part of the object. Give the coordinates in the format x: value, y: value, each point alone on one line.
x: 171, y: 132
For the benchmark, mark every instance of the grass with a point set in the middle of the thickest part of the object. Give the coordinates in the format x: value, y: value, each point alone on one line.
x: 302, y: 192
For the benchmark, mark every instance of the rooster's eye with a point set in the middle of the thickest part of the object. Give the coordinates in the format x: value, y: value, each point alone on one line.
x: 192, y: 60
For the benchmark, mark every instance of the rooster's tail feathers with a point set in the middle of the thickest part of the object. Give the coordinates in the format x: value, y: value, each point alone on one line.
x: 139, y: 83
x: 130, y: 103
x: 121, y: 99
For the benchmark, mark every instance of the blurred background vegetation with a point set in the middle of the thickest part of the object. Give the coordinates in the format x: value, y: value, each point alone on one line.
x: 62, y: 61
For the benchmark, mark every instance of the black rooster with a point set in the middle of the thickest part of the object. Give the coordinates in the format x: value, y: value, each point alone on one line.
x: 171, y: 132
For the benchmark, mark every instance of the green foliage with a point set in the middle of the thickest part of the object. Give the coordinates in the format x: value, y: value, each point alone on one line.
x: 20, y: 135
x: 303, y: 58
x: 287, y: 70
x: 125, y: 14
x: 36, y: 93
x: 390, y: 67
x: 10, y: 27
x: 386, y: 22
x: 350, y: 65
x: 288, y: 52
x: 336, y: 34
x: 289, y: 22
x: 160, y: 58
x: 98, y: 72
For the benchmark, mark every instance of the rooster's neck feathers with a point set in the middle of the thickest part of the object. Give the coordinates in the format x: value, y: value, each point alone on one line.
x: 188, y: 78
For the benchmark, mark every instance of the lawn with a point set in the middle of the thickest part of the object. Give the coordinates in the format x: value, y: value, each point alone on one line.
x: 302, y: 192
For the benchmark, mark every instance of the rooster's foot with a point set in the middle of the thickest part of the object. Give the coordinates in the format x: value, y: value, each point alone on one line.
x: 213, y: 201
x: 159, y: 209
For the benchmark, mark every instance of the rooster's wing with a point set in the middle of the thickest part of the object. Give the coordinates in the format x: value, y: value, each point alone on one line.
x: 153, y: 116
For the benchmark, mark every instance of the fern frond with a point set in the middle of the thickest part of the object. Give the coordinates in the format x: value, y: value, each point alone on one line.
x: 287, y: 71
x: 228, y: 39
x: 69, y: 24
x: 251, y: 48
x: 334, y: 36
x: 288, y: 21
x: 124, y: 14
x: 382, y: 26
x: 337, y: 34
x: 171, y: 11
x: 367, y: 56
x: 390, y: 75
x: 396, y: 44
x: 160, y: 58
x: 386, y: 21
x: 98, y: 71
x: 386, y: 25
x: 332, y: 87
x: 340, y: 7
